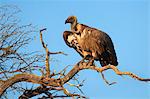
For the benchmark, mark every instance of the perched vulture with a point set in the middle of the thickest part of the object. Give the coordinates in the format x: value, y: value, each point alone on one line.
x: 91, y: 42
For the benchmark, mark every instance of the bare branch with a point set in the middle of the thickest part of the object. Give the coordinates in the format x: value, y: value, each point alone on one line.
x: 115, y: 69
x: 59, y: 82
x: 47, y: 64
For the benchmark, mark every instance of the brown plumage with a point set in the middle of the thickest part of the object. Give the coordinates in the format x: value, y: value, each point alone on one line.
x: 93, y: 42
x: 71, y: 40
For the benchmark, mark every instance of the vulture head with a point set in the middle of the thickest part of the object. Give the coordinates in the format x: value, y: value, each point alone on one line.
x: 71, y: 19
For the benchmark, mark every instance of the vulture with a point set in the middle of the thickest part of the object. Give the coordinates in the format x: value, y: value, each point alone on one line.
x: 91, y: 43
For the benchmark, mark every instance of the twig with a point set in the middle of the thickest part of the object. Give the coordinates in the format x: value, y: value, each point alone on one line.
x: 72, y: 95
x: 77, y: 86
x: 106, y: 80
x: 58, y: 53
x: 47, y: 54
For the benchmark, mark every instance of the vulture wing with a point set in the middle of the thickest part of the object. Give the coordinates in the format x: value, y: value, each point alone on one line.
x: 68, y: 38
x: 71, y: 41
x: 98, y: 43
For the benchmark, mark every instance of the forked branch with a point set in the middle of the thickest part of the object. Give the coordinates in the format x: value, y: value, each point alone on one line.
x: 47, y: 64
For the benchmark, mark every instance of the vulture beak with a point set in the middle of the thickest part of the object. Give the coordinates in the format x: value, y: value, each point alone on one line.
x: 66, y: 21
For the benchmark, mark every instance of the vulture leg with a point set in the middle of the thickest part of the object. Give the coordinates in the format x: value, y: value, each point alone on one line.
x: 87, y: 57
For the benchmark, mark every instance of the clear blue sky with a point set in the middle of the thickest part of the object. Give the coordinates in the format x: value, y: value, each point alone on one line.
x: 127, y: 23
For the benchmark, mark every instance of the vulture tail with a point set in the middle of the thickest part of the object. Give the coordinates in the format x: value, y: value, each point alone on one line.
x: 113, y: 59
x: 107, y: 58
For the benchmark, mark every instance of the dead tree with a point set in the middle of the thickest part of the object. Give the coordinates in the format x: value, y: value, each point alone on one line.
x: 14, y: 38
x: 19, y: 69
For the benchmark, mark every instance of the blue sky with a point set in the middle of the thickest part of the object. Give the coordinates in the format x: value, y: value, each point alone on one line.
x: 127, y: 23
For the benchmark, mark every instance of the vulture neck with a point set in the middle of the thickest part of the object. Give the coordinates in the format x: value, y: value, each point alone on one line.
x: 73, y: 25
